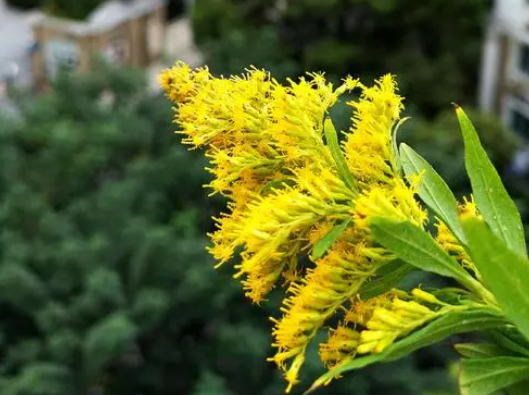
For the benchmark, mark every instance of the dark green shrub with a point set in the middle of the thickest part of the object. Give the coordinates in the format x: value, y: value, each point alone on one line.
x: 24, y: 4
x: 261, y: 48
x: 99, y: 237
x: 365, y: 38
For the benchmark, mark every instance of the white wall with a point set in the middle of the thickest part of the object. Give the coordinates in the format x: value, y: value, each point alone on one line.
x: 489, y: 70
x: 511, y: 11
x: 512, y: 15
x: 509, y: 17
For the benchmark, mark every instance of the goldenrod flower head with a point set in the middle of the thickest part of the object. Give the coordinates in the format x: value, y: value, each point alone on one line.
x: 179, y: 82
x: 340, y: 346
x: 322, y: 182
x: 396, y: 201
x: 336, y: 278
x: 286, y: 192
x: 349, y: 84
x: 267, y: 229
x: 319, y: 231
x: 384, y: 319
x: 469, y: 209
x: 368, y: 146
x: 448, y: 241
x: 424, y: 296
x: 240, y: 166
x: 291, y: 375
x: 360, y: 311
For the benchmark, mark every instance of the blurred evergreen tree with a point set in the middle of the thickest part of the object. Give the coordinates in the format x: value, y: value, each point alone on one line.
x: 261, y: 48
x: 25, y: 4
x: 78, y: 9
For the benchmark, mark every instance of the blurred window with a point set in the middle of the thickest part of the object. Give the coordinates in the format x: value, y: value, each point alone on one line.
x: 60, y: 54
x: 117, y: 51
x: 524, y: 58
x: 176, y: 8
x: 520, y: 123
x: 155, y: 36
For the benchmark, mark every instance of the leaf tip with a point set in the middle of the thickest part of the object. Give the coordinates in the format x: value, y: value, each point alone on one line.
x: 328, y: 124
x: 403, y: 147
x: 317, y: 384
x: 317, y: 252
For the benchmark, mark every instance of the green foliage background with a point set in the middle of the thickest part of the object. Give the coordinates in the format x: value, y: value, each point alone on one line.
x: 433, y: 46
x: 78, y: 9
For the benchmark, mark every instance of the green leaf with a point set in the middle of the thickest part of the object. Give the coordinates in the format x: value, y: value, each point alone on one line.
x: 447, y: 325
x: 277, y: 184
x: 485, y: 376
x: 394, y: 142
x: 492, y: 199
x: 508, y: 343
x: 505, y: 273
x: 334, y: 146
x: 521, y: 388
x: 327, y: 241
x: 432, y: 189
x: 477, y: 350
x: 417, y: 247
x: 387, y: 277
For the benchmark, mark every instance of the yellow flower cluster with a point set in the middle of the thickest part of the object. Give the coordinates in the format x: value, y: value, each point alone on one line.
x: 267, y: 155
x: 384, y: 318
x: 448, y: 241
x: 287, y: 191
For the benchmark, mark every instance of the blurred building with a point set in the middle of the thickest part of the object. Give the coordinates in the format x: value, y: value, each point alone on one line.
x: 505, y: 70
x: 16, y: 46
x: 130, y: 33
x: 149, y: 34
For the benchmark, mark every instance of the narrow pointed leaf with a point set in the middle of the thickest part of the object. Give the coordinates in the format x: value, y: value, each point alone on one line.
x: 447, y: 325
x: 334, y: 146
x: 507, y: 342
x: 432, y: 189
x: 505, y: 273
x: 387, y: 278
x: 322, y: 245
x: 450, y: 324
x: 416, y: 247
x: 479, y: 350
x: 485, y: 376
x: 276, y: 184
x: 492, y: 199
x: 394, y: 141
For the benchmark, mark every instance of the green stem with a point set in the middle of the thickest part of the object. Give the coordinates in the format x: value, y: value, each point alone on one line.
x: 483, y: 293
